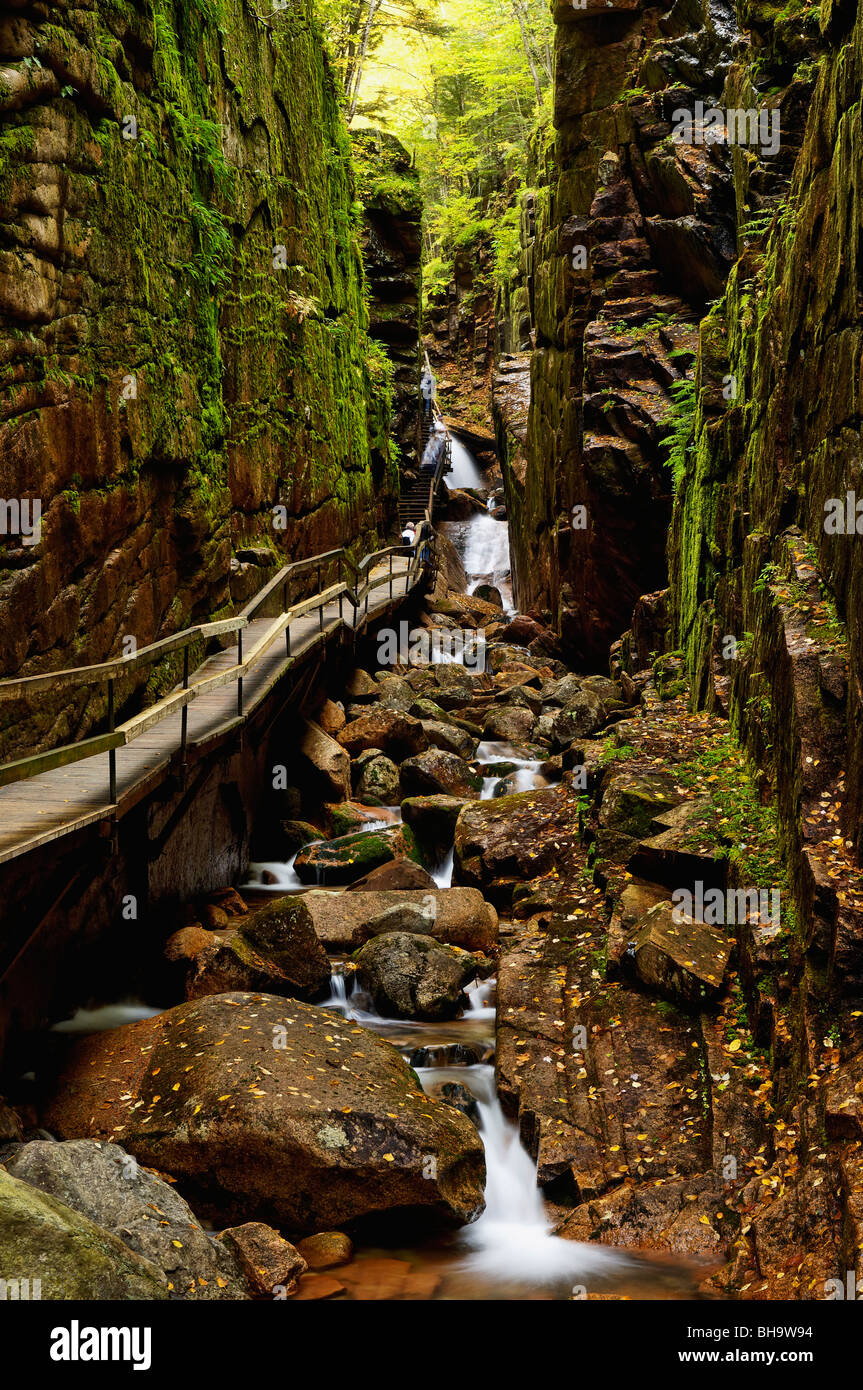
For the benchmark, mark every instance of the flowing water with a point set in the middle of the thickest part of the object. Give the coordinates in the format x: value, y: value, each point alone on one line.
x: 510, y: 1252
x: 465, y: 471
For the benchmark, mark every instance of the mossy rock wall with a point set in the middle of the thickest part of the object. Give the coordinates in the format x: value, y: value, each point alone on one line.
x: 183, y: 326
x: 749, y: 554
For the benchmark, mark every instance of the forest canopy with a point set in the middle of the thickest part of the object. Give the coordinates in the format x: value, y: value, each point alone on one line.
x: 462, y: 86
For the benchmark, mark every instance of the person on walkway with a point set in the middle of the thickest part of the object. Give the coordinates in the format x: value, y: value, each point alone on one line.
x: 409, y: 534
x: 427, y: 387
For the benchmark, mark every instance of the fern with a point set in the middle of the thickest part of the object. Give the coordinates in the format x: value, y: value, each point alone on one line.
x: 681, y: 419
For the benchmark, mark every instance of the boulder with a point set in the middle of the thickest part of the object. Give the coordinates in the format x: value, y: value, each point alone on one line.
x: 326, y: 1250
x: 73, y: 1258
x: 413, y: 976
x: 109, y: 1187
x: 331, y: 717
x: 523, y: 696
x: 401, y: 873
x: 394, y: 733
x: 186, y: 943
x: 631, y: 801
x: 508, y: 723
x: 489, y: 594
x: 683, y: 960
x: 377, y: 780
x: 583, y: 714
x: 272, y: 1110
x: 346, y: 817
x: 512, y: 839
x: 361, y: 687
x: 276, y: 949
x: 459, y: 916
x: 396, y: 693
x: 450, y: 738
x: 328, y: 760
x: 432, y: 819
x: 351, y: 856
x: 439, y: 773
x: 293, y: 834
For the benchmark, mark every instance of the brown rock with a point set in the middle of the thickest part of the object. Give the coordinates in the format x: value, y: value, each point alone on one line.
x: 326, y: 1250
x: 264, y: 1110
x: 329, y: 761
x: 313, y: 1287
x: 186, y: 943
x: 331, y: 718
x: 214, y: 917
x: 401, y: 873
x: 396, y: 734
x: 269, y: 1263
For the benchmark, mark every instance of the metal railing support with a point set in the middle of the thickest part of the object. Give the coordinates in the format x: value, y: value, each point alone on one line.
x: 112, y: 752
x: 240, y: 678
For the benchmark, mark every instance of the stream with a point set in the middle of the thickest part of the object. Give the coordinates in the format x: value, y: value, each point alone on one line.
x: 510, y: 1251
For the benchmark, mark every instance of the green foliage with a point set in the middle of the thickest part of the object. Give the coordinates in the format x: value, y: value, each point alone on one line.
x: 681, y: 422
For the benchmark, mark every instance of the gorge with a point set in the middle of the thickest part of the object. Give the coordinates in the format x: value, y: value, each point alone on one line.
x: 431, y: 824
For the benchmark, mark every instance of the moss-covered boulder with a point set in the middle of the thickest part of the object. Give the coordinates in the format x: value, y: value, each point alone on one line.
x: 43, y: 1239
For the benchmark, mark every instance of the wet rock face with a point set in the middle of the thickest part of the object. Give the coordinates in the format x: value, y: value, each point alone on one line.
x: 221, y: 1108
x: 165, y: 383
x: 631, y: 235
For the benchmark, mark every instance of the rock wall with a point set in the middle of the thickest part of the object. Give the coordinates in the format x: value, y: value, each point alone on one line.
x: 388, y: 187
x: 183, y: 332
x: 633, y: 235
x: 765, y: 551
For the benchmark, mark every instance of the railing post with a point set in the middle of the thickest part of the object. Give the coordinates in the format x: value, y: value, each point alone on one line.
x: 240, y: 678
x: 341, y: 596
x: 391, y: 576
x: 184, y: 717
x: 321, y: 608
x: 112, y: 754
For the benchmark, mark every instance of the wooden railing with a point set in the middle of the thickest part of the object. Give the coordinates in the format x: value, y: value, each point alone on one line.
x: 279, y: 587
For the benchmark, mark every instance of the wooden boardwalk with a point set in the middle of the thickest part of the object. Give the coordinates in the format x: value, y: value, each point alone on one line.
x: 55, y: 803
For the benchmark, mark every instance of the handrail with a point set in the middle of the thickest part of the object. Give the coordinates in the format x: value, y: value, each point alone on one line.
x: 180, y: 699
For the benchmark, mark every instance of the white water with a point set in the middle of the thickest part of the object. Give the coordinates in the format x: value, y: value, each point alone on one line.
x: 106, y: 1016
x: 525, y: 778
x: 442, y: 875
x: 511, y: 1244
x: 465, y: 470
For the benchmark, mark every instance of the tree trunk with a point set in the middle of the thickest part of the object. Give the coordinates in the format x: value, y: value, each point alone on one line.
x: 374, y: 6
x: 518, y: 10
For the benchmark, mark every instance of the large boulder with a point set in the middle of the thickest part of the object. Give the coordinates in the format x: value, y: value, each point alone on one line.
x: 582, y: 716
x: 73, y: 1258
x: 274, y: 949
x: 108, y: 1186
x: 459, y: 916
x: 376, y: 779
x: 351, y: 856
x: 433, y: 819
x: 508, y: 723
x: 272, y: 1110
x: 330, y: 763
x: 439, y: 773
x: 450, y: 738
x: 401, y: 873
x: 512, y: 839
x: 409, y: 975
x: 394, y: 733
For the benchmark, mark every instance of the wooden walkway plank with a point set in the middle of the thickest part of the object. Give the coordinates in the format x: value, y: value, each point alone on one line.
x: 68, y: 798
